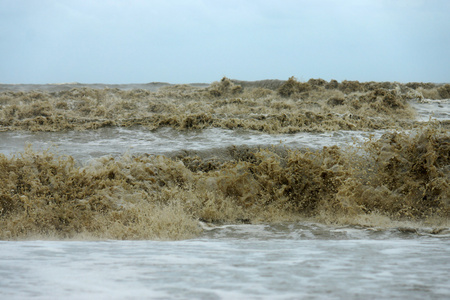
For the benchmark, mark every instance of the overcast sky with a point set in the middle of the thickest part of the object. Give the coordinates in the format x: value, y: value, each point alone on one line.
x: 184, y: 41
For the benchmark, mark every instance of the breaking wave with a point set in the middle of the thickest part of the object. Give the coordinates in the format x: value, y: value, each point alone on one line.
x: 288, y: 107
x: 401, y: 179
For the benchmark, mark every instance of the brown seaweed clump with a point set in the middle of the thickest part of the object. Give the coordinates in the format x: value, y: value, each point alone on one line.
x: 293, y: 87
x: 43, y: 196
x: 224, y: 88
x: 444, y: 91
x: 399, y: 177
x: 406, y: 177
x: 431, y: 91
x: 270, y: 105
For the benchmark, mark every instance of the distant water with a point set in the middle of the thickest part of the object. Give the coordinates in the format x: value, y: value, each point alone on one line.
x: 152, y: 86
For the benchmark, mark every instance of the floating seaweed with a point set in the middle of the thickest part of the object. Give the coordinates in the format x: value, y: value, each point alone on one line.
x: 402, y: 177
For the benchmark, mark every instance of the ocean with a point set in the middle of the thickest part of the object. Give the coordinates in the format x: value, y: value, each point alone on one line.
x: 230, y: 190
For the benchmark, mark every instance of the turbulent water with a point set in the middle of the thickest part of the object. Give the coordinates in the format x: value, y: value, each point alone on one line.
x: 273, y: 189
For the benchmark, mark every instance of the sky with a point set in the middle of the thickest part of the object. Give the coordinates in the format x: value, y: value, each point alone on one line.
x: 186, y: 41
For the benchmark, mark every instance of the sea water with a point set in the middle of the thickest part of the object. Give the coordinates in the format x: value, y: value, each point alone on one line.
x: 292, y: 260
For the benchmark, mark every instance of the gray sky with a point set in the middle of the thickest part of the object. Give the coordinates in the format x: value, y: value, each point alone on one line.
x: 137, y: 41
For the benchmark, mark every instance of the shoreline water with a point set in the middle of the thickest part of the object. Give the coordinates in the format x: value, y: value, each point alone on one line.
x: 227, y: 269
